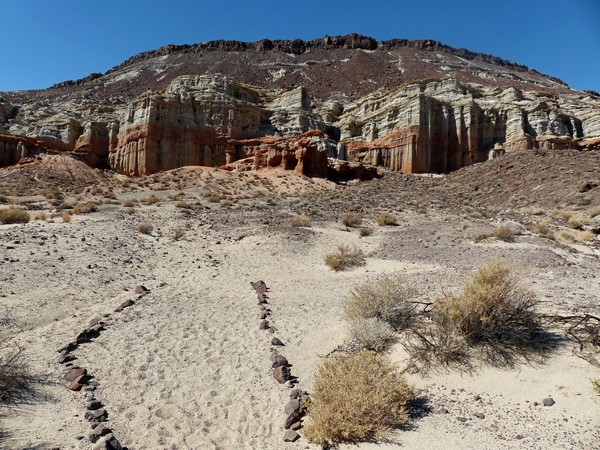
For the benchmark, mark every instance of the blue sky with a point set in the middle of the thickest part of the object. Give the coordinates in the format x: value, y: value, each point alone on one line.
x: 45, y: 42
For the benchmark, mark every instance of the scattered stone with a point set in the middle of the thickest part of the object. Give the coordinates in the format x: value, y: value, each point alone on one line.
x: 93, y: 405
x: 67, y: 347
x: 108, y: 442
x: 74, y: 372
x: 99, y: 431
x: 141, y: 290
x: 263, y: 325
x: 291, y: 436
x: 281, y: 374
x: 99, y: 415
x: 549, y: 401
x: 78, y: 383
x: 263, y: 315
x: 259, y: 286
x: 279, y: 360
x: 262, y: 299
x: 86, y: 336
x: 292, y: 406
x: 290, y: 419
x: 65, y: 357
x: 476, y: 397
x: 127, y: 303
x: 277, y: 342
x: 296, y: 393
x: 442, y: 411
x: 296, y: 426
x: 462, y: 419
x: 479, y: 415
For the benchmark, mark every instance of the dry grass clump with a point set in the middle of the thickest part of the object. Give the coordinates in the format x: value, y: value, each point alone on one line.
x: 494, y: 307
x: 594, y: 212
x: 41, y: 215
x: 356, y: 397
x: 365, y: 231
x: 387, y: 299
x: 66, y: 217
x: 178, y: 233
x: 145, y: 227
x: 129, y: 204
x: 14, y: 215
x: 369, y: 334
x: 596, y: 385
x: 300, y: 220
x: 504, y: 233
x: 14, y: 377
x: 386, y: 219
x: 542, y: 229
x: 182, y: 204
x: 351, y: 220
x: 151, y: 200
x: 345, y: 257
x: 85, y: 208
x: 575, y: 222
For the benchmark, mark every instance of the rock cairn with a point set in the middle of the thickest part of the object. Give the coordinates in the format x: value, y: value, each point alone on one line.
x: 79, y: 379
x: 280, y: 366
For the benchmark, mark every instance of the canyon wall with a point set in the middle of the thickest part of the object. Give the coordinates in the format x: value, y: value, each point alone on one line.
x: 211, y: 120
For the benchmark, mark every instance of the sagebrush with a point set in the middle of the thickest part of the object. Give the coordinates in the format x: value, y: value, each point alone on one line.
x: 345, y: 257
x: 356, y: 397
x: 14, y: 215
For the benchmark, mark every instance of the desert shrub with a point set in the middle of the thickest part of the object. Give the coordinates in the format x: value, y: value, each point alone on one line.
x: 54, y: 195
x: 482, y: 237
x: 494, y: 307
x: 365, y: 231
x: 351, y: 220
x: 129, y: 204
x: 41, y: 215
x: 575, y: 222
x: 182, y: 204
x: 386, y: 219
x: 543, y: 230
x: 129, y: 211
x: 66, y: 217
x: 151, y: 200
x: 596, y: 385
x: 592, y: 212
x: 14, y: 377
x: 345, y: 257
x: 145, y: 227
x: 177, y: 197
x: 504, y: 233
x: 85, y: 208
x: 386, y: 299
x: 3, y: 198
x: 14, y: 215
x: 369, y: 334
x: 300, y: 220
x: 356, y: 397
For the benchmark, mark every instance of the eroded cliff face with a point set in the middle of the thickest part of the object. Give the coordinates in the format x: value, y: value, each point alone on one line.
x: 211, y: 120
x: 440, y: 126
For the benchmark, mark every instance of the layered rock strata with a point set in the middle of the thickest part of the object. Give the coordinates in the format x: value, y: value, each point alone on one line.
x: 211, y: 120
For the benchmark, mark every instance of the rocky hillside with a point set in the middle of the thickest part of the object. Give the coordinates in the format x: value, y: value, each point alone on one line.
x: 410, y: 106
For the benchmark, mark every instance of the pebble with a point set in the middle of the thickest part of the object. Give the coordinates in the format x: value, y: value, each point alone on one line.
x: 549, y: 401
x: 291, y: 436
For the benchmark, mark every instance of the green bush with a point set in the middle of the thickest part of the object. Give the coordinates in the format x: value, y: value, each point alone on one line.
x: 356, y: 397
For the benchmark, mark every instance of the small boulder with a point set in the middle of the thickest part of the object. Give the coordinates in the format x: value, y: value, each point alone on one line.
x: 99, y: 431
x: 263, y: 325
x: 74, y: 372
x: 127, y: 303
x: 277, y: 342
x: 291, y: 419
x: 108, y: 442
x: 99, y: 415
x: 549, y: 401
x: 141, y: 290
x: 292, y: 406
x: 281, y: 374
x: 279, y: 360
x: 93, y: 405
x: 65, y: 357
x: 291, y: 436
x: 78, y: 383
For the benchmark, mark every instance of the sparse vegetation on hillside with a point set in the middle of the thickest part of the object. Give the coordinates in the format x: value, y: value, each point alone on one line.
x: 145, y: 227
x: 85, y: 208
x: 356, y: 397
x: 15, y: 380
